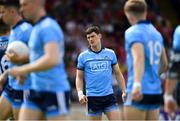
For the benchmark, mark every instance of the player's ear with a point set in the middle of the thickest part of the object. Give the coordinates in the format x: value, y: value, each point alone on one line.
x: 145, y: 13
x: 100, y: 35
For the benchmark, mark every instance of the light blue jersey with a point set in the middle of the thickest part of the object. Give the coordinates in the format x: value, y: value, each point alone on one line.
x: 145, y: 33
x: 55, y: 79
x: 3, y: 45
x: 97, y: 68
x: 20, y: 32
x: 176, y: 39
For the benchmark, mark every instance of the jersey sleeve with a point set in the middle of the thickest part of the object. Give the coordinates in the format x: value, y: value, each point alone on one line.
x: 24, y: 32
x: 132, y: 37
x: 80, y: 64
x: 114, y: 58
x: 51, y: 33
x: 27, y: 34
x: 176, y: 39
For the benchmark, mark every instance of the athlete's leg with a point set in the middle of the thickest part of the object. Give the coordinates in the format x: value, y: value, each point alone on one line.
x: 170, y: 86
x: 17, y: 102
x: 58, y: 118
x: 16, y: 113
x: 114, y: 115
x: 5, y: 108
x: 152, y: 115
x: 61, y: 100
x: 170, y: 104
x: 95, y: 117
x: 131, y: 113
x: 29, y: 114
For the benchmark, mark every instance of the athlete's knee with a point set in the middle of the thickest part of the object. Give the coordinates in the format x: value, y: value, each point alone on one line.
x: 114, y: 115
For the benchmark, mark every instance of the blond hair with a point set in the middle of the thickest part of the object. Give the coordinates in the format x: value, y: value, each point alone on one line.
x: 135, y: 7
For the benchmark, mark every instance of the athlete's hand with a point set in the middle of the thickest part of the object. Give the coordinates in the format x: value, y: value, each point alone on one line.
x: 1, y: 82
x: 18, y: 71
x: 82, y: 98
x: 124, y: 96
x: 170, y: 105
x: 1, y: 87
x: 3, y: 77
x: 21, y: 79
x: 136, y: 92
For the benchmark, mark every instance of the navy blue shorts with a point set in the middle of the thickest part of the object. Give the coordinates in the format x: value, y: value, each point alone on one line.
x: 149, y: 102
x: 50, y: 103
x: 101, y: 104
x: 15, y: 97
x: 174, y: 71
x: 174, y: 66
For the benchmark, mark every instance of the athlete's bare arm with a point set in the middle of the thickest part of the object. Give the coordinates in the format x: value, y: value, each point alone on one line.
x: 138, y: 66
x: 120, y: 78
x: 79, y: 86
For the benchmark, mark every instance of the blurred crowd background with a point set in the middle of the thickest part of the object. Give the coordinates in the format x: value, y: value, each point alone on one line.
x: 75, y: 15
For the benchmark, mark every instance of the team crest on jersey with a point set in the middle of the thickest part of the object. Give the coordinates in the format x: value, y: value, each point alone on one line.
x: 106, y: 58
x: 99, y: 66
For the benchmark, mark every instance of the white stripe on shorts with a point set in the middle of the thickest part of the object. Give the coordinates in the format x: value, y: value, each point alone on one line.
x: 62, y: 102
x: 25, y: 95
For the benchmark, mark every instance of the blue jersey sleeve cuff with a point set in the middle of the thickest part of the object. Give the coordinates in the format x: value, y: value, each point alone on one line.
x: 131, y: 44
x: 82, y: 69
x: 114, y: 64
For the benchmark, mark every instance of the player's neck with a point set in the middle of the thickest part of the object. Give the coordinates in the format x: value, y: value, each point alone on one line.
x: 143, y: 18
x: 4, y: 34
x: 96, y: 48
x: 41, y: 13
x: 16, y: 20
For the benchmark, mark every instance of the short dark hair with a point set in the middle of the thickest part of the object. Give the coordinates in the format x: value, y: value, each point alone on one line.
x: 10, y: 3
x: 91, y: 29
x: 4, y: 28
x: 135, y: 6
